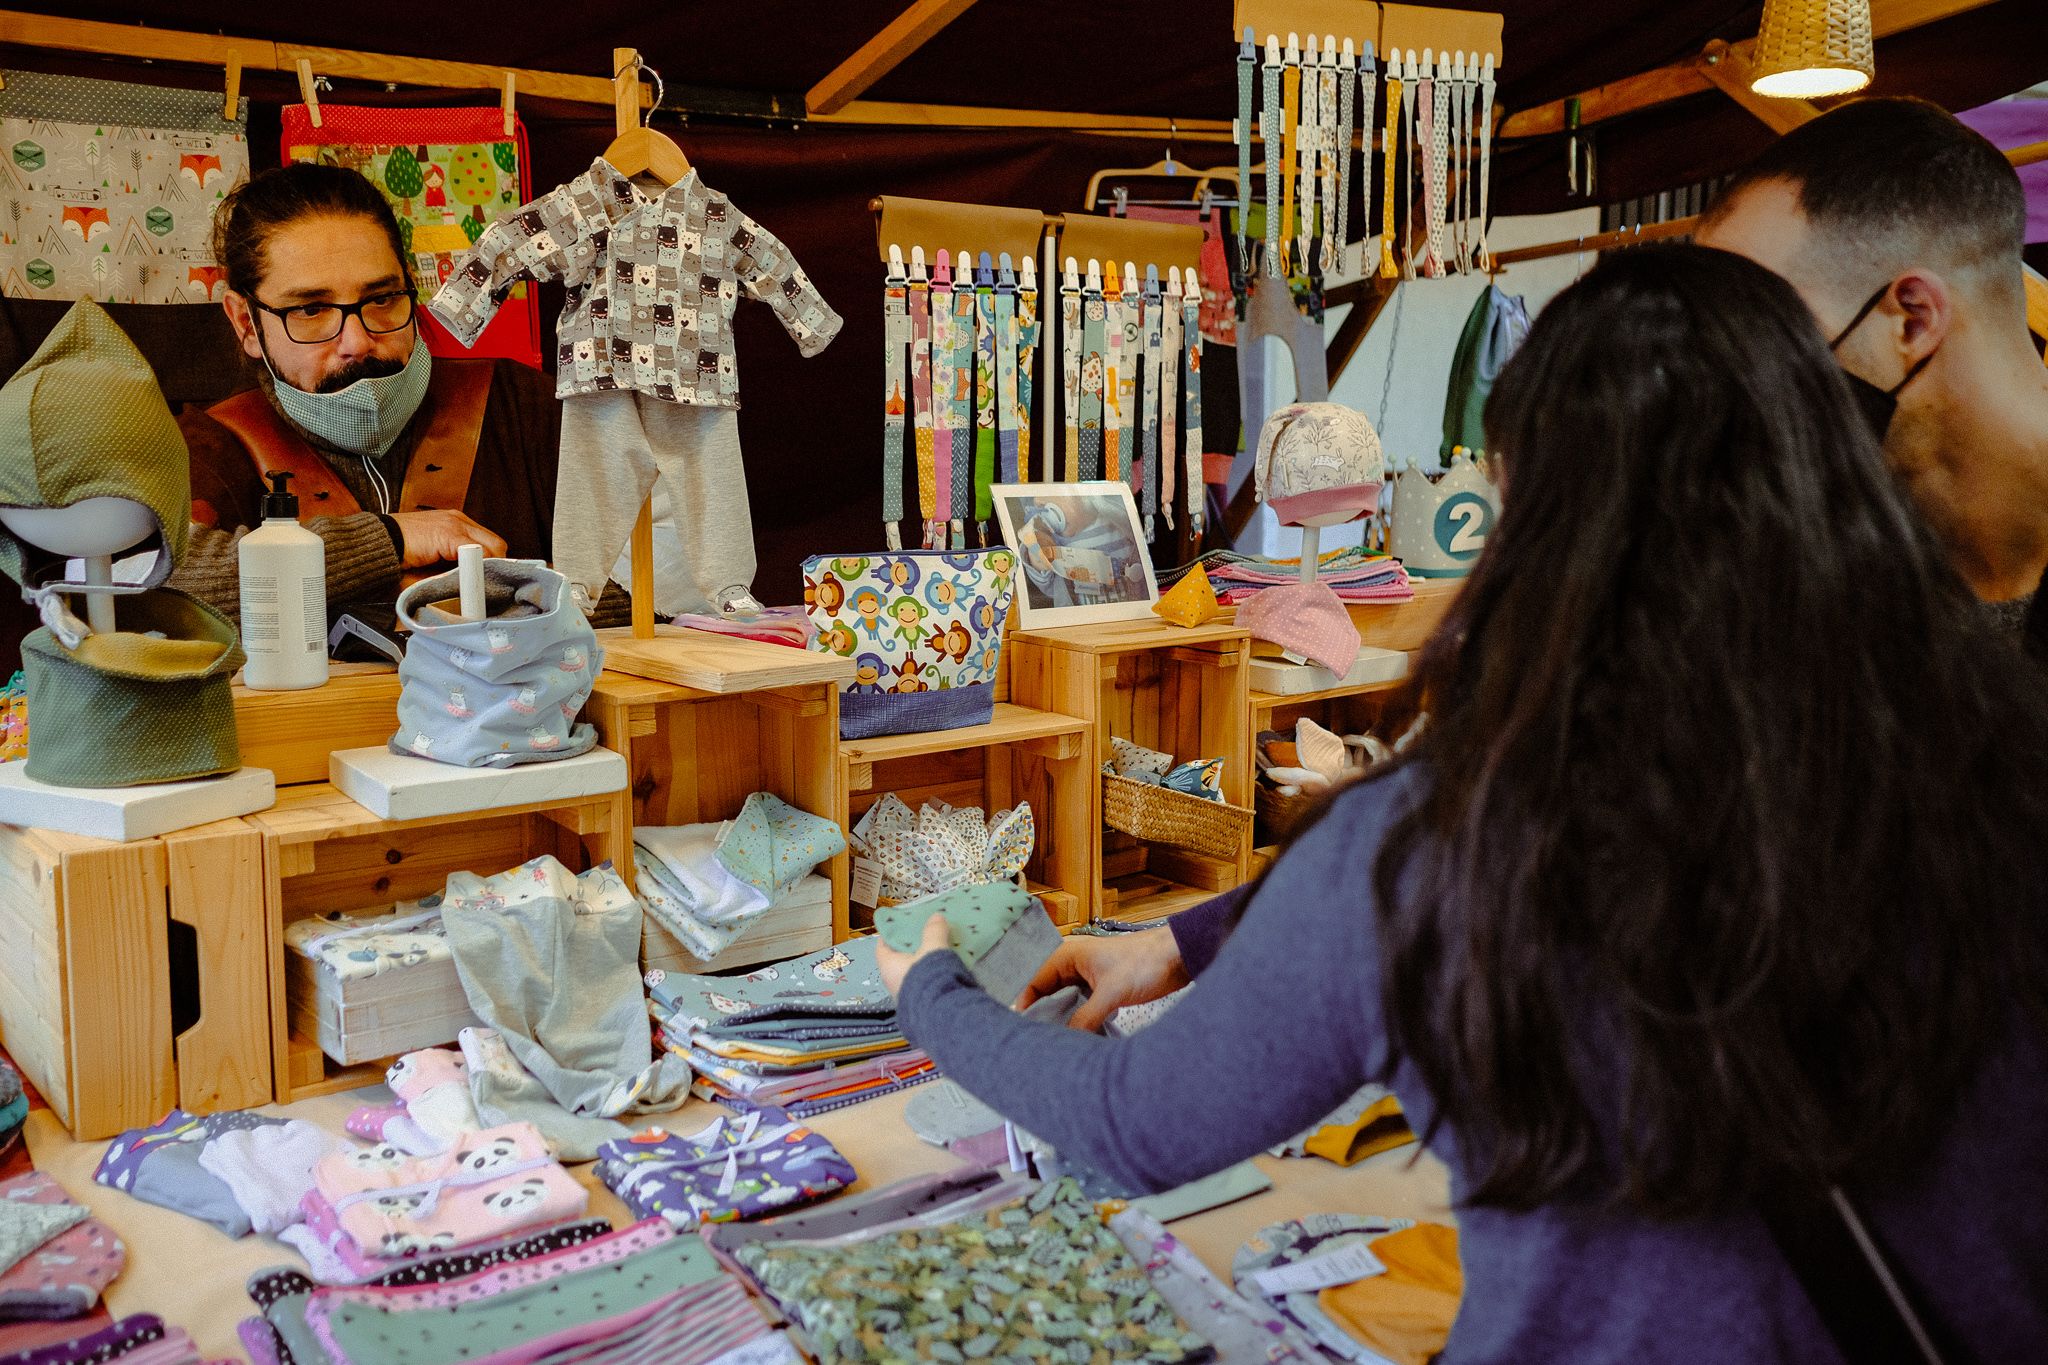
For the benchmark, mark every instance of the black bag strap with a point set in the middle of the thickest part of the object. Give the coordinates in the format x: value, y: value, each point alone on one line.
x: 1861, y: 1298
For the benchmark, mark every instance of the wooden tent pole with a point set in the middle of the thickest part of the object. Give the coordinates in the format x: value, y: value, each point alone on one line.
x: 625, y: 118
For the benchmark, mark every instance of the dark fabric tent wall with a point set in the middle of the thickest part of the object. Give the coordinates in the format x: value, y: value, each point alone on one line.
x: 812, y: 429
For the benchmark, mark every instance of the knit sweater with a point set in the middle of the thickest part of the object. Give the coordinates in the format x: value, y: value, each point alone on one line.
x: 1287, y: 1021
x: 512, y: 494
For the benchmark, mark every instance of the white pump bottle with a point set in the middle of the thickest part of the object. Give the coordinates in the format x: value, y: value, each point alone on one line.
x: 284, y: 596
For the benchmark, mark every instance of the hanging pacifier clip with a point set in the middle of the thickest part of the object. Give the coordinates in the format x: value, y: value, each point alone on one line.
x: 921, y: 392
x: 1113, y: 372
x: 1092, y: 368
x: 1027, y: 355
x: 1191, y: 328
x: 1389, y: 268
x: 984, y: 393
x: 1006, y: 369
x: 1347, y: 97
x: 1271, y: 118
x: 1169, y: 388
x: 1148, y: 458
x: 1247, y: 64
x: 1485, y: 258
x: 895, y: 402
x: 945, y: 365
x: 964, y: 351
x: 1307, y: 146
x: 1072, y: 340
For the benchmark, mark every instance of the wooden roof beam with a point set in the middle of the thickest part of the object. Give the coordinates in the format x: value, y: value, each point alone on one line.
x: 1694, y: 75
x: 881, y: 54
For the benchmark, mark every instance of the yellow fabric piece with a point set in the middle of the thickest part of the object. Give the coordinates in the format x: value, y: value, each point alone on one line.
x: 1190, y: 602
x: 744, y: 1052
x: 1381, y: 1128
x: 1388, y: 269
x: 1290, y: 116
x: 140, y: 656
x: 1405, y: 1314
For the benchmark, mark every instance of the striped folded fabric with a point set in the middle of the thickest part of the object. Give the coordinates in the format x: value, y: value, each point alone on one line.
x: 1354, y: 574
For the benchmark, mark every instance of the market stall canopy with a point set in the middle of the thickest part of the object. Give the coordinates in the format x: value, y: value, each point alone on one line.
x: 891, y: 60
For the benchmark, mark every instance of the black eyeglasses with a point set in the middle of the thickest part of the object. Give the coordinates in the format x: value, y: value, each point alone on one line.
x: 309, y: 324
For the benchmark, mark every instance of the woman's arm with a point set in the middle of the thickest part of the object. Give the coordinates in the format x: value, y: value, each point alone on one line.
x: 1284, y: 1027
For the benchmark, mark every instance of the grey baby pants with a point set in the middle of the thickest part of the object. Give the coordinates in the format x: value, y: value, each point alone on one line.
x: 613, y: 446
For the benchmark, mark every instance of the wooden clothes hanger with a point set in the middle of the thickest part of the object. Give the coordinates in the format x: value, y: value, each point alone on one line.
x: 642, y: 150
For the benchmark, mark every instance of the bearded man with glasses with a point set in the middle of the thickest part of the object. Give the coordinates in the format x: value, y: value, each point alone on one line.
x: 399, y: 458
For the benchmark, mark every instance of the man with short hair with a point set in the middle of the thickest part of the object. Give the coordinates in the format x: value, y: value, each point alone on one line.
x: 398, y: 458
x: 1902, y: 229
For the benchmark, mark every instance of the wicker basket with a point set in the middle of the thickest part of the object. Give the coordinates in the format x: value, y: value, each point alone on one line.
x: 1278, y: 813
x: 1175, y: 818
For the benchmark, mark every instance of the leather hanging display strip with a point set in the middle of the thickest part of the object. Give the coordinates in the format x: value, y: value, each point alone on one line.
x: 984, y: 393
x: 1270, y: 120
x: 1027, y: 355
x: 1191, y: 378
x: 1389, y: 268
x: 944, y: 368
x: 1169, y: 388
x: 1006, y: 369
x: 1113, y: 372
x: 1071, y: 342
x: 921, y: 394
x: 895, y: 398
x: 1148, y: 455
x: 1092, y: 364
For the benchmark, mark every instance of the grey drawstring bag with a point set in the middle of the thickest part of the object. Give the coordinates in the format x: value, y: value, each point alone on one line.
x: 503, y: 690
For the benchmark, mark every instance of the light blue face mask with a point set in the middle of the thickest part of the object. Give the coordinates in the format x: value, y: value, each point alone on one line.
x: 368, y: 415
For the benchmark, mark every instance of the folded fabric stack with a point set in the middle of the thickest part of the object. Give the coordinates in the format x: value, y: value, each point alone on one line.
x: 1313, y: 759
x: 737, y: 1168
x: 1354, y: 574
x: 1201, y: 777
x: 578, y: 1292
x: 732, y: 893
x: 1379, y: 1291
x: 808, y: 1035
x: 139, y: 1340
x: 54, y: 1259
x: 940, y: 847
x: 193, y: 1164
x: 371, y: 1207
x: 370, y: 986
x: 929, y: 1270
x: 770, y: 625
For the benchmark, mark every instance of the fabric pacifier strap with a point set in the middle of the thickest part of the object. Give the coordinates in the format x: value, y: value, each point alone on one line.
x: 1169, y: 395
x: 1306, y: 146
x: 1485, y: 159
x: 1247, y: 63
x: 1273, y: 114
x: 1072, y: 341
x: 1155, y: 337
x: 921, y: 402
x: 1290, y: 133
x: 945, y: 364
x: 1027, y: 355
x: 1389, y: 268
x: 1191, y: 328
x: 895, y: 402
x: 1092, y: 362
x: 1347, y: 97
x: 964, y: 348
x: 1113, y: 373
x: 984, y: 394
x: 1006, y: 373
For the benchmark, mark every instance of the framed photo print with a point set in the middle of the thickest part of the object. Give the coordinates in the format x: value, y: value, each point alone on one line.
x: 1080, y: 552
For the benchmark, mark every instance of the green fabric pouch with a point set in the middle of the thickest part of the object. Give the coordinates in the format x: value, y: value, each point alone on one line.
x: 128, y: 708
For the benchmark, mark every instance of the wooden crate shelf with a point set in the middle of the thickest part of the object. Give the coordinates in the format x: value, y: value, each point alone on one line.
x: 323, y: 852
x: 695, y: 753
x: 87, y: 1003
x: 292, y: 733
x: 1182, y: 691
x: 722, y: 664
x: 1042, y: 757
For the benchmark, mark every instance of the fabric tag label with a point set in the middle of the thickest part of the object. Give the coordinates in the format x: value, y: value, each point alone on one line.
x: 867, y: 882
x: 1343, y: 1266
x: 1292, y: 657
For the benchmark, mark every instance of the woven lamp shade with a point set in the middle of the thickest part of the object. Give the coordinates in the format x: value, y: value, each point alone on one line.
x: 1807, y: 49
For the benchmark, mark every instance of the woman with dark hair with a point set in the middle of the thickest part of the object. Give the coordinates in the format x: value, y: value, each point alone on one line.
x: 1718, y: 871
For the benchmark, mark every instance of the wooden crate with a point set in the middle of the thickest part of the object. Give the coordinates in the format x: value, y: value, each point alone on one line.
x: 749, y: 717
x: 322, y: 852
x: 86, y: 1002
x: 292, y: 733
x: 1022, y: 754
x: 1182, y: 691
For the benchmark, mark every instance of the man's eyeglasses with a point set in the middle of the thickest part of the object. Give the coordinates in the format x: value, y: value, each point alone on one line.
x: 309, y: 324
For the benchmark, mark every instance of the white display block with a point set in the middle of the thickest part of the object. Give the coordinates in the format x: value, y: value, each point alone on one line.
x: 402, y: 787
x: 1281, y: 678
x: 125, y: 814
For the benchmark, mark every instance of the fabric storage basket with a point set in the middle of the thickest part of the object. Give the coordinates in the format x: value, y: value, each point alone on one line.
x: 1170, y: 817
x: 924, y: 629
x: 1280, y: 813
x: 502, y: 690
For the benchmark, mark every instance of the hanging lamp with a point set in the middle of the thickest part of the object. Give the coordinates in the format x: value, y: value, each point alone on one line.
x: 1810, y: 49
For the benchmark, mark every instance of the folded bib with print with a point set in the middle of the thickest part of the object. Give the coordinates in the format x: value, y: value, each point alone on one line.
x: 502, y: 690
x: 924, y: 629
x: 998, y: 930
x: 737, y: 1168
x: 940, y: 847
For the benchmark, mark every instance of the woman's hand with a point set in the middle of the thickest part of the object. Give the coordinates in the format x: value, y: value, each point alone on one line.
x: 1117, y: 970
x: 895, y: 966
